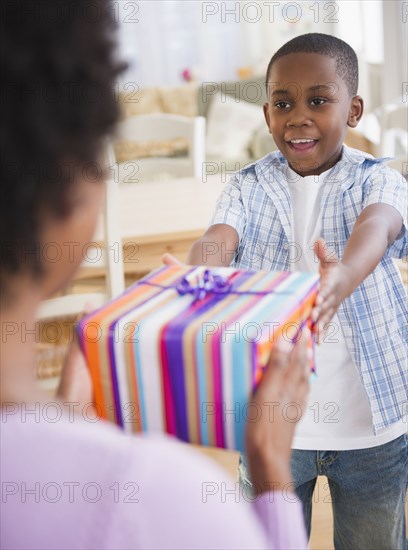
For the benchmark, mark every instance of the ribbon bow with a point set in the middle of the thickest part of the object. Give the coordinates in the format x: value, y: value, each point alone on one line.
x: 210, y: 283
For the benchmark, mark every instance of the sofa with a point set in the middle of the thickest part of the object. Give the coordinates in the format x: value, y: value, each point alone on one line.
x: 236, y: 131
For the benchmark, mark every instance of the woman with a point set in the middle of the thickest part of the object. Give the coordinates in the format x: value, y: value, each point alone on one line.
x: 68, y: 482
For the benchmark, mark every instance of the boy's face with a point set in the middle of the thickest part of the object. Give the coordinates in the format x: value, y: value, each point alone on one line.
x: 308, y: 111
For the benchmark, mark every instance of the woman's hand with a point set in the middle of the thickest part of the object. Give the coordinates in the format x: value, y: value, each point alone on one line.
x: 76, y: 384
x: 281, y: 396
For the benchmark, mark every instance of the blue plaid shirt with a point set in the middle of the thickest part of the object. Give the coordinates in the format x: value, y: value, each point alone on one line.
x: 374, y: 319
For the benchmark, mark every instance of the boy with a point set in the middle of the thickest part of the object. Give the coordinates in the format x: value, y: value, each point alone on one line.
x: 271, y: 216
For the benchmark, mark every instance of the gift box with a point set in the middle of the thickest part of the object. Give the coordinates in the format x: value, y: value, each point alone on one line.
x: 181, y: 350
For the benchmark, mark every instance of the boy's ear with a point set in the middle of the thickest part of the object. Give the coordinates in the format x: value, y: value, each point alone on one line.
x: 356, y: 111
x: 266, y: 114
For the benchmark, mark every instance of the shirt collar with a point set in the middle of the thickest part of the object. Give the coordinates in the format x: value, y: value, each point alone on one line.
x: 349, y: 155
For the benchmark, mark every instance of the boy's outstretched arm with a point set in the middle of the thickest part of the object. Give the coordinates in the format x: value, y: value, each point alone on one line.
x: 217, y: 247
x: 375, y: 230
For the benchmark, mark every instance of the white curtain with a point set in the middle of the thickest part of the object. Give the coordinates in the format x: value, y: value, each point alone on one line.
x: 172, y: 36
x: 213, y: 39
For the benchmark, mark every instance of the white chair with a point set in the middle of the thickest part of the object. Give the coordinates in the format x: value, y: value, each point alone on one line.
x: 394, y: 129
x: 110, y: 260
x: 153, y: 130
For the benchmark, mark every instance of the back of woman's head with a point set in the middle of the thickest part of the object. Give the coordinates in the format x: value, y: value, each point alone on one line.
x: 58, y: 69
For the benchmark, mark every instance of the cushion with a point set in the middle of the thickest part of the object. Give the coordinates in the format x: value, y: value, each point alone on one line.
x: 230, y: 127
x: 131, y: 150
x: 179, y: 101
x: 136, y: 101
x: 143, y: 101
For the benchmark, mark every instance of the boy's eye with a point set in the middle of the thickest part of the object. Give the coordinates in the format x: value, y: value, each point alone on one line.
x: 282, y: 104
x: 317, y: 101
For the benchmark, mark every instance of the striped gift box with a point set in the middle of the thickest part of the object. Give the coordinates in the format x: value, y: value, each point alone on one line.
x: 182, y: 349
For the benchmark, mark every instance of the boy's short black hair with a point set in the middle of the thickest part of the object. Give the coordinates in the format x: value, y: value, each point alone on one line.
x: 344, y: 55
x: 58, y: 69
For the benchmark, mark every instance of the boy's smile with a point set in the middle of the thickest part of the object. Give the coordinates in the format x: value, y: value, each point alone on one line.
x: 308, y: 111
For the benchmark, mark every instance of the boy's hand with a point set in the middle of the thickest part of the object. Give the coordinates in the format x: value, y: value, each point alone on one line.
x: 336, y: 283
x: 374, y: 231
x: 169, y: 259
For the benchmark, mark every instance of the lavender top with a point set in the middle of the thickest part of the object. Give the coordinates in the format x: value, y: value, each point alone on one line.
x: 68, y: 483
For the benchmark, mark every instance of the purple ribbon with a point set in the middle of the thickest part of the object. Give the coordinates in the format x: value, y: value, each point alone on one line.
x: 210, y: 283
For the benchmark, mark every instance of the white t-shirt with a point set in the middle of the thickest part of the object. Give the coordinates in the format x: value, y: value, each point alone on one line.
x: 338, y: 414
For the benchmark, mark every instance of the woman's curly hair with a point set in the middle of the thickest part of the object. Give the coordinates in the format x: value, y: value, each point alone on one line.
x: 58, y: 69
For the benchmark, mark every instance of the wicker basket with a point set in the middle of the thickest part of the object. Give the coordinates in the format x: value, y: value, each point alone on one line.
x: 54, y: 338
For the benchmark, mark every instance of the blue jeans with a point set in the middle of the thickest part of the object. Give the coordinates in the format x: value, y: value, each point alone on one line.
x: 367, y: 490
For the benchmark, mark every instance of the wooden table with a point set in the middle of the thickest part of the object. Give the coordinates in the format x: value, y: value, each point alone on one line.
x: 165, y: 216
